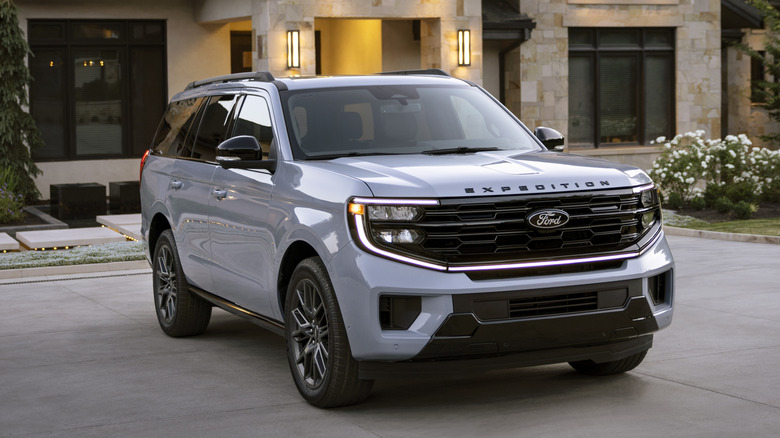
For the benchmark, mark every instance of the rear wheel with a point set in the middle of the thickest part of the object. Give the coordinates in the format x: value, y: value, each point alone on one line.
x: 318, y: 351
x: 608, y: 368
x: 179, y: 311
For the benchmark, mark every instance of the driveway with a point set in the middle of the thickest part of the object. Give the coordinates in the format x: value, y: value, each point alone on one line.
x: 85, y: 357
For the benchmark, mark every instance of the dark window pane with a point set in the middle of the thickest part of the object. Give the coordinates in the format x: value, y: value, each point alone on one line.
x: 47, y: 101
x: 212, y: 129
x: 581, y: 85
x: 658, y: 96
x: 659, y: 38
x: 617, y: 96
x: 147, y: 91
x: 96, y: 31
x: 46, y: 31
x: 175, y: 126
x: 619, y: 37
x: 756, y: 76
x: 254, y: 119
x: 97, y: 83
x: 580, y: 38
x: 146, y: 31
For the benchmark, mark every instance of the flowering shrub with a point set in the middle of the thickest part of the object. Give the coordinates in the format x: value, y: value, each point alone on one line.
x: 11, y: 205
x: 11, y: 202
x: 730, y: 168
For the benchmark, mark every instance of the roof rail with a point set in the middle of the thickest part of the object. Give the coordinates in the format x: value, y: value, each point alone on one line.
x: 426, y: 71
x: 261, y: 76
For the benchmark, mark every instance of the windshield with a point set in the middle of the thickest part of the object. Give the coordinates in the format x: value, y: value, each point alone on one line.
x: 399, y: 119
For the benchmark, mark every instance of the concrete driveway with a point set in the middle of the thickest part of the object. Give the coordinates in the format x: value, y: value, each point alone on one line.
x: 85, y: 357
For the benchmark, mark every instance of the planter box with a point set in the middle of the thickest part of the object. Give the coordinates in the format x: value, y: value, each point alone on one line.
x: 124, y: 197
x: 77, y: 201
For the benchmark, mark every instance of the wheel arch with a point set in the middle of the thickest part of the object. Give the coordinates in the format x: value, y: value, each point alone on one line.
x: 296, y: 253
x: 158, y: 225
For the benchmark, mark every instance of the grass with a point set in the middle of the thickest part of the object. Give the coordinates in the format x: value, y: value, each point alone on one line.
x: 762, y: 227
x: 104, y: 253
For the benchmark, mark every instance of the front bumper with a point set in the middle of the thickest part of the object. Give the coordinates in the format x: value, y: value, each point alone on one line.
x: 464, y: 318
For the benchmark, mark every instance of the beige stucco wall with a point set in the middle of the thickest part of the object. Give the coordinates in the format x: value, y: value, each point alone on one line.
x: 194, y: 51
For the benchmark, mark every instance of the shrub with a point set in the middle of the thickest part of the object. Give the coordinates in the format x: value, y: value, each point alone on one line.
x: 681, y: 164
x: 723, y: 205
x: 698, y: 203
x: 744, y: 210
x: 11, y: 205
x: 675, y: 201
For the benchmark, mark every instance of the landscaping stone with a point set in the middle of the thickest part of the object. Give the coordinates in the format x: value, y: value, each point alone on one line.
x: 7, y: 243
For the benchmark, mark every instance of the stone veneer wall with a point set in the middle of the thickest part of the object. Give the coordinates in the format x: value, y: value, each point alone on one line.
x: 440, y: 22
x: 543, y: 87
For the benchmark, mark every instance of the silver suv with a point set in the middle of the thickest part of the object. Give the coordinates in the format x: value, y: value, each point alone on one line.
x: 402, y: 222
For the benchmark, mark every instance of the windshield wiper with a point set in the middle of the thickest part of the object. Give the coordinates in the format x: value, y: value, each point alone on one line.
x: 459, y: 150
x: 348, y: 154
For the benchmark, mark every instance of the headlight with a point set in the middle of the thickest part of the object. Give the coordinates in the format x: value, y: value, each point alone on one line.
x: 404, y: 213
x: 391, y: 228
x: 650, y: 206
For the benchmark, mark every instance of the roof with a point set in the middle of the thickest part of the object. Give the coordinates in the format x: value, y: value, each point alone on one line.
x: 502, y: 21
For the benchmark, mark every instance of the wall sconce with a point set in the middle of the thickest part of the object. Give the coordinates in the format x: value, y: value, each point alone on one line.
x: 293, y: 49
x: 464, y: 47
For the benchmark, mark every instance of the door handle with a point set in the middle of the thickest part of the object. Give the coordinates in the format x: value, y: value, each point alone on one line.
x: 175, y: 184
x: 219, y: 194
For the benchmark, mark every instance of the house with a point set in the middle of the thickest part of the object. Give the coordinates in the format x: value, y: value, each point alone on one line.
x: 612, y: 75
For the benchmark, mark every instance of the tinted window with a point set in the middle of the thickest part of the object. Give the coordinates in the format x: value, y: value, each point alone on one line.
x: 175, y: 126
x: 213, y: 128
x: 254, y: 119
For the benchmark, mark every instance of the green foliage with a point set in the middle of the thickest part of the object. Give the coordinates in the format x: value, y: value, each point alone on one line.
x: 18, y: 132
x: 698, y: 203
x: 744, y: 210
x: 723, y: 205
x: 768, y: 91
x: 11, y: 203
x: 681, y: 165
x: 675, y: 201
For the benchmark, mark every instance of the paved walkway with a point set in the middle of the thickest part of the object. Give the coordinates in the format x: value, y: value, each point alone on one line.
x: 84, y: 357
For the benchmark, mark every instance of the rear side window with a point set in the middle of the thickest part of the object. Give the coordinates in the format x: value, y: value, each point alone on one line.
x: 175, y: 126
x: 254, y: 119
x: 213, y: 128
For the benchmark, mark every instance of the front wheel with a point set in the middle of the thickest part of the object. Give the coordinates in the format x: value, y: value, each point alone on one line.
x: 318, y: 351
x: 609, y: 368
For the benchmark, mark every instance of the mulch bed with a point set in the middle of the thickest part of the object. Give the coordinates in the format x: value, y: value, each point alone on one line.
x: 765, y: 211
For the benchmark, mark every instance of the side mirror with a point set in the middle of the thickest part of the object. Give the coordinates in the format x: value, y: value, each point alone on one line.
x: 243, y: 152
x: 550, y: 138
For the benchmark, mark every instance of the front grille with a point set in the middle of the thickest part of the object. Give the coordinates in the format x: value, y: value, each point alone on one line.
x: 464, y: 231
x: 553, y: 305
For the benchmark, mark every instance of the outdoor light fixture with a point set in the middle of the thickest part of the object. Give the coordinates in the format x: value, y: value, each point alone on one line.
x: 293, y: 49
x: 464, y: 47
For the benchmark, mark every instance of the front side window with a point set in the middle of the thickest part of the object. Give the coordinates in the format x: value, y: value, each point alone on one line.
x: 99, y: 87
x: 254, y: 119
x: 399, y: 119
x: 621, y: 86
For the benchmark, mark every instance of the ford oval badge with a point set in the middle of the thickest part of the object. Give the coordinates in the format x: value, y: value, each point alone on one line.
x: 548, y: 219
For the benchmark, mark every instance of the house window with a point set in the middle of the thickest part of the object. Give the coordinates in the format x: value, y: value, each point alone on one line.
x: 621, y: 86
x: 99, y: 87
x: 757, y: 68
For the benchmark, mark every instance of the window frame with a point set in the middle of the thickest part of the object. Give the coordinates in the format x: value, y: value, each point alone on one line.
x: 68, y: 45
x: 595, y: 51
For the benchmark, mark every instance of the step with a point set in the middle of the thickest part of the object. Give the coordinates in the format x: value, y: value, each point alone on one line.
x: 7, y: 243
x: 68, y: 238
x: 127, y: 224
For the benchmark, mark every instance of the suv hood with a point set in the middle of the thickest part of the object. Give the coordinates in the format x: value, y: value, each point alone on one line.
x: 485, y: 173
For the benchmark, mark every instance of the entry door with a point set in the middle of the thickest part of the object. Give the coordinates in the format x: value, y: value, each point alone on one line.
x: 241, y: 241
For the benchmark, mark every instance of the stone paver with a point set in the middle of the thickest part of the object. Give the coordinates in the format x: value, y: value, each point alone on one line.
x: 127, y: 224
x: 8, y: 243
x: 84, y: 357
x: 70, y: 237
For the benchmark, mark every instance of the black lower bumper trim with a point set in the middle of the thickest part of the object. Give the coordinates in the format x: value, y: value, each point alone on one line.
x: 468, y: 367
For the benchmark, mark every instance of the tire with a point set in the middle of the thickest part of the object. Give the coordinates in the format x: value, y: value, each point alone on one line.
x: 608, y: 368
x: 179, y: 312
x: 318, y: 351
